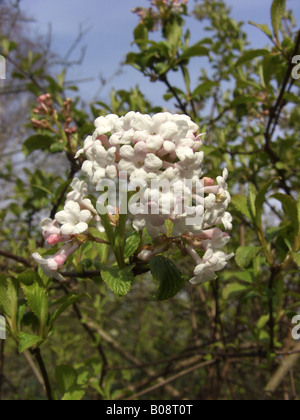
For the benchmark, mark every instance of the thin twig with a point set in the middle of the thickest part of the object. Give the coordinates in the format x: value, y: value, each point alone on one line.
x: 130, y: 357
x: 181, y: 105
x: 38, y: 357
x: 34, y: 369
x: 286, y: 366
x: 15, y: 258
x: 274, y: 273
x: 2, y: 357
x: 92, y: 335
x: 172, y: 379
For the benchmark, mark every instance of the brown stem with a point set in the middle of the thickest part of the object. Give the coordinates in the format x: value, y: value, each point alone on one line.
x: 15, y: 258
x: 274, y: 271
x: 2, y: 357
x: 181, y: 105
x: 91, y: 334
x: 38, y: 357
x: 173, y: 378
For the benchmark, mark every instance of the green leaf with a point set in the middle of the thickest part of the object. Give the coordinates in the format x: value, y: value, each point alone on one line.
x: 262, y: 322
x: 260, y: 200
x: 65, y: 303
x: 9, y: 300
x: 204, y: 87
x: 296, y: 258
x: 290, y: 209
x: 168, y: 275
x: 250, y: 55
x: 240, y: 202
x: 234, y: 289
x: 66, y: 377
x: 140, y: 36
x: 27, y: 340
x: 28, y: 277
x: 108, y: 228
x: 42, y: 188
x: 196, y: 50
x: 277, y: 12
x: 120, y: 235
x: 133, y: 59
x: 245, y: 100
x: 4, y: 297
x: 264, y: 28
x: 69, y: 383
x: 57, y: 147
x: 132, y: 244
x: 119, y: 281
x: 75, y: 395
x: 245, y: 254
x: 251, y: 200
x: 37, y: 298
x: 298, y: 213
x: 37, y: 142
x: 245, y: 276
x: 162, y: 68
x: 173, y: 33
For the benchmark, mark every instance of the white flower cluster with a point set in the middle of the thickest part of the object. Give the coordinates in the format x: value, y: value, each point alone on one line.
x: 155, y: 151
x: 73, y: 220
x: 161, y: 158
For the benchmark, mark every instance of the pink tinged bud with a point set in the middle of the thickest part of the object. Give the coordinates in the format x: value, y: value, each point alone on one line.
x: 141, y: 149
x: 161, y: 153
x: 208, y: 182
x: 60, y: 259
x: 44, y: 98
x: 49, y: 227
x: 210, y: 233
x: 104, y: 140
x: 54, y: 239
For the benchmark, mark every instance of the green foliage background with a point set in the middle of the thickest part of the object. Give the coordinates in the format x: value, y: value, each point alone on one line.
x: 228, y: 339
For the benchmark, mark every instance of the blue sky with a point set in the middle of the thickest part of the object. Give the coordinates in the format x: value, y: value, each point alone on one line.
x: 109, y: 38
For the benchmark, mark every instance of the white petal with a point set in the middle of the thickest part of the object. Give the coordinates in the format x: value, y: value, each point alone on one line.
x: 152, y: 162
x: 154, y: 143
x: 46, y: 224
x: 85, y: 216
x: 169, y: 146
x: 103, y: 125
x: 80, y: 228
x: 126, y: 166
x: 210, y: 201
x: 111, y: 172
x: 141, y: 122
x: 38, y: 258
x: 67, y: 229
x: 79, y: 153
x: 63, y: 217
x: 127, y: 152
x: 168, y: 130
x: 139, y: 224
